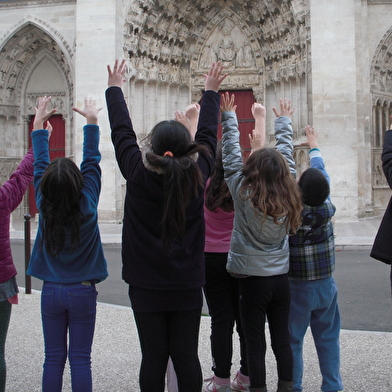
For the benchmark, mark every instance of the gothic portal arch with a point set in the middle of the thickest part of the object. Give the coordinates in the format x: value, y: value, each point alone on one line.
x: 265, y: 46
x: 381, y: 90
x: 33, y: 62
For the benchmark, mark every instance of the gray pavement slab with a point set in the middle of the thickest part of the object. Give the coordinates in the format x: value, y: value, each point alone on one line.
x: 366, y: 357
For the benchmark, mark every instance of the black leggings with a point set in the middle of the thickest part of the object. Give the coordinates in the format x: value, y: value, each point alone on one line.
x: 222, y: 295
x: 174, y: 334
x: 264, y: 298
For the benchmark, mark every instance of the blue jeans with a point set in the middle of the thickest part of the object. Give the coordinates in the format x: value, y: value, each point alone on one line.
x: 68, y: 308
x: 315, y: 303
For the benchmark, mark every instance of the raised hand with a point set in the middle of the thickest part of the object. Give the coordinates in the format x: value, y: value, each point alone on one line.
x: 311, y: 137
x: 42, y: 113
x: 181, y: 118
x: 90, y: 111
x: 258, y: 111
x: 116, y: 77
x: 214, y: 77
x: 227, y: 102
x: 49, y: 128
x: 257, y: 137
x: 285, y: 108
x: 192, y: 111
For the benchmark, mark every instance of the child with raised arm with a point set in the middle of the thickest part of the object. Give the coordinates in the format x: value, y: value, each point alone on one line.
x: 312, y: 286
x: 267, y: 205
x: 163, y: 232
x: 221, y: 289
x: 11, y: 195
x: 67, y: 253
x: 284, y: 133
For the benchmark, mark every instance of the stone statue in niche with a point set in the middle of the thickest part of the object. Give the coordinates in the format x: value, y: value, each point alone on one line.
x: 244, y: 57
x: 226, y: 49
x: 227, y: 44
x: 58, y: 103
x: 9, y: 94
x: 13, y: 53
x: 389, y: 81
x: 208, y: 57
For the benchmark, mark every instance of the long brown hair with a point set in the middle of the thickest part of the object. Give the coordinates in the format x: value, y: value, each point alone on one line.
x: 271, y: 188
x: 217, y: 192
x: 182, y: 177
x: 61, y: 187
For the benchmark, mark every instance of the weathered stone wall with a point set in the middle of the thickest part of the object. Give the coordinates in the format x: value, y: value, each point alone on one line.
x: 330, y: 58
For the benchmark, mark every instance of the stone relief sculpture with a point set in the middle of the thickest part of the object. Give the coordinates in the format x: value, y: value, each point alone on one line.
x: 227, y: 44
x: 226, y: 49
x: 246, y: 40
x: 57, y: 101
x: 175, y: 47
x: 209, y: 57
x: 244, y: 57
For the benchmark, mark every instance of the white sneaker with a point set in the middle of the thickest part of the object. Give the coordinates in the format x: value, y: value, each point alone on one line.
x: 212, y: 386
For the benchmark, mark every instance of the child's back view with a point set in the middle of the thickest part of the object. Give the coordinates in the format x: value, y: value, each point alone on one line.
x: 267, y: 205
x: 67, y: 253
x: 312, y: 262
x: 163, y: 231
x: 11, y: 195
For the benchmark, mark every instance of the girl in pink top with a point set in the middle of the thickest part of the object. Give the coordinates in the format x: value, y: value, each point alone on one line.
x: 221, y: 289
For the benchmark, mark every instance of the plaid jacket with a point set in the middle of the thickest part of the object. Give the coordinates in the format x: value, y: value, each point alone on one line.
x: 312, y: 248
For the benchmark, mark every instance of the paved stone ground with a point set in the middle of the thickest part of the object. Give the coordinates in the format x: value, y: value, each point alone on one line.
x: 366, y: 357
x: 366, y: 361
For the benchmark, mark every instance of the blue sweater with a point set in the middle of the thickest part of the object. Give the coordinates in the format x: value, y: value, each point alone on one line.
x: 87, y: 261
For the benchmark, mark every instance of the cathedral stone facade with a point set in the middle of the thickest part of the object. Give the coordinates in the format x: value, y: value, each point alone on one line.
x: 333, y: 59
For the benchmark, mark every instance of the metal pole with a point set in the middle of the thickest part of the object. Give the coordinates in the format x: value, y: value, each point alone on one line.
x: 27, y: 224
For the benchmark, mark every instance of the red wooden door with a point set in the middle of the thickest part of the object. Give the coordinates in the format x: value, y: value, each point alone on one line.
x: 56, y: 150
x: 244, y: 100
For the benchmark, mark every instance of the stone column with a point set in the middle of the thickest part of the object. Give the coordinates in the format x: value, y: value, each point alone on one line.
x: 98, y: 43
x: 338, y: 114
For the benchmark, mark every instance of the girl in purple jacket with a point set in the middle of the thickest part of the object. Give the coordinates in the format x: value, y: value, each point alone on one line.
x: 11, y: 195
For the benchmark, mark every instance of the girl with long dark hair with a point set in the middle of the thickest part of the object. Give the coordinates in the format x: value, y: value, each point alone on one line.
x: 163, y: 232
x: 67, y: 253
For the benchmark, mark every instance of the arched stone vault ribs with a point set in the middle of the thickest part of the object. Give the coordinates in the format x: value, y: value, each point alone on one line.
x: 17, y: 57
x: 171, y: 37
x: 381, y: 68
x: 381, y: 95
